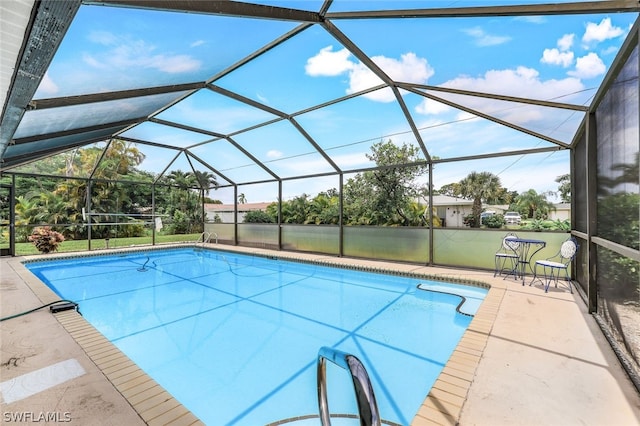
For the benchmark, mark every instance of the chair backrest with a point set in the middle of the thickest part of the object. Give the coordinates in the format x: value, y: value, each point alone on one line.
x: 568, y: 249
x: 509, y: 245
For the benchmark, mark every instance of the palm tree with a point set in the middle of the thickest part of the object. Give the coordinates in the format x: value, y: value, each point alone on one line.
x: 119, y: 159
x: 27, y: 209
x: 182, y: 179
x: 535, y: 204
x: 242, y: 199
x: 480, y: 186
x: 324, y: 209
x: 206, y: 180
x: 53, y: 208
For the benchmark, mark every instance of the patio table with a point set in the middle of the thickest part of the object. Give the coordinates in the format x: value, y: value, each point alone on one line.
x: 527, y: 248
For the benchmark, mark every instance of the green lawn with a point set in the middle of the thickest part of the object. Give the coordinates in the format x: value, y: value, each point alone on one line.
x: 25, y: 249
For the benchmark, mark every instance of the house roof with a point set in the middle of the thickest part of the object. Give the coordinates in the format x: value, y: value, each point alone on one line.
x: 446, y: 200
x: 246, y: 207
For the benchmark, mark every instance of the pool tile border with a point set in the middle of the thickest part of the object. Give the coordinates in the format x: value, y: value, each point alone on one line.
x: 442, y: 406
x: 150, y: 400
x: 444, y: 403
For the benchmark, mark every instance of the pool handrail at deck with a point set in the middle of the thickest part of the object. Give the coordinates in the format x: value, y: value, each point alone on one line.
x: 367, y: 405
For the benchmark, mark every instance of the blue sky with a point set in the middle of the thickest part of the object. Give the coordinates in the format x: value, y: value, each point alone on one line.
x: 547, y: 58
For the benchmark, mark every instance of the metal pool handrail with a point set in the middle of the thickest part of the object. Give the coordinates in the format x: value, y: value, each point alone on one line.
x: 205, y: 236
x: 367, y: 406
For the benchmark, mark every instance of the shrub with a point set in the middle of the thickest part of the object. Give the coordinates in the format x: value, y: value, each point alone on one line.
x: 493, y: 221
x: 469, y: 220
x: 45, y: 239
x: 257, y: 216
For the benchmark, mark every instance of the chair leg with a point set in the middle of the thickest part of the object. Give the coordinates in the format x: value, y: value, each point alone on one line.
x: 553, y: 278
x: 535, y: 275
x: 501, y: 266
x: 547, y: 278
x: 568, y: 279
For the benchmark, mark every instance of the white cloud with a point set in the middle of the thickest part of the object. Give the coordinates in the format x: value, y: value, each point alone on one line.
x: 329, y: 63
x: 197, y: 43
x: 556, y: 57
x: 429, y: 106
x: 274, y: 153
x: 171, y: 64
x: 409, y: 68
x: 562, y: 55
x: 521, y: 82
x: 588, y: 66
x: 126, y: 54
x: 361, y: 78
x: 565, y: 42
x: 483, y: 39
x: 47, y: 85
x: 601, y: 32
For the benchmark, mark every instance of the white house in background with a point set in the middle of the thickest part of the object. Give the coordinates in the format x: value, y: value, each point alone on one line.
x: 562, y: 212
x: 452, y: 210
x: 225, y: 211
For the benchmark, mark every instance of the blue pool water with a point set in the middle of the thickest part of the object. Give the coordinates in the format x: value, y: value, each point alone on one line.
x: 235, y: 338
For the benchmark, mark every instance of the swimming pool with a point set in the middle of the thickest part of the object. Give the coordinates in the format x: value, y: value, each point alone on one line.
x: 235, y: 337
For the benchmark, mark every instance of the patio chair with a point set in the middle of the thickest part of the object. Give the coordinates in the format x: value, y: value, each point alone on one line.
x: 552, y: 266
x: 506, y: 258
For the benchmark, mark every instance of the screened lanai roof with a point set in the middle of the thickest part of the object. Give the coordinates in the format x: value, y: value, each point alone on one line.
x: 283, y: 89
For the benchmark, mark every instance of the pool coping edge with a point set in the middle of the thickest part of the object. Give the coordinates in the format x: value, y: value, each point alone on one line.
x: 443, y: 405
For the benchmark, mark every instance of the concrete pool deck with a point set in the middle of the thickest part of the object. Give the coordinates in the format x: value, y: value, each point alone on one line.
x: 528, y: 358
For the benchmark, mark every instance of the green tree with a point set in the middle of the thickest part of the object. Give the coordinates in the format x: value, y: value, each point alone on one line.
x: 418, y: 215
x: 53, y: 208
x: 296, y: 210
x: 324, y: 209
x: 480, y: 187
x: 450, y: 189
x: 206, y: 180
x: 565, y: 187
x: 383, y: 196
x: 257, y: 216
x: 26, y: 208
x: 535, y: 205
x: 183, y: 180
x: 120, y: 159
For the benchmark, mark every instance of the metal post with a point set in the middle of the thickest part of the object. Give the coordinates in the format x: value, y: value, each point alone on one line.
x: 591, y: 164
x: 341, y: 220
x: 88, y: 202
x: 279, y: 214
x: 235, y: 214
x: 153, y: 214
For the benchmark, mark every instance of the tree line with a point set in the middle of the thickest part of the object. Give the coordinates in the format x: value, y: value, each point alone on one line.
x: 118, y: 191
x: 392, y: 196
